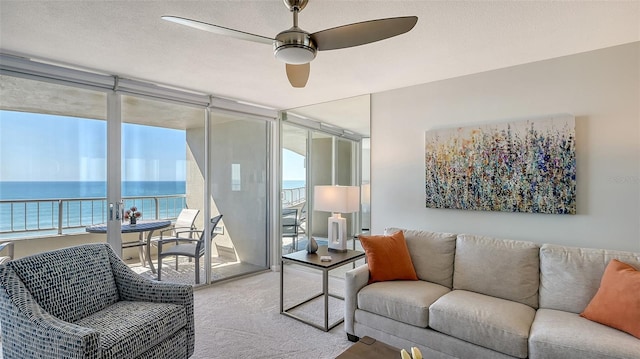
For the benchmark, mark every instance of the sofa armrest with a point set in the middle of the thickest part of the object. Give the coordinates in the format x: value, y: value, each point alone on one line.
x: 28, y: 331
x: 355, y: 280
x: 134, y: 287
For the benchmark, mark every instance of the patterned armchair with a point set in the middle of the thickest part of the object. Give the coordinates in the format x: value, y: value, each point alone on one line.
x: 84, y: 302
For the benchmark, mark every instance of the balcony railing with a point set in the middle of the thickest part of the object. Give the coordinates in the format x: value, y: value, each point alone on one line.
x: 63, y: 215
x: 293, y: 196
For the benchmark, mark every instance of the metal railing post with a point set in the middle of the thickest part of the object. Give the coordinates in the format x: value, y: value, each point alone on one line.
x: 60, y: 216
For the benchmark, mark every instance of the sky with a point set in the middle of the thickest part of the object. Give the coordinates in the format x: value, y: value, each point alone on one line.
x: 58, y: 148
x: 293, y: 168
x: 44, y: 147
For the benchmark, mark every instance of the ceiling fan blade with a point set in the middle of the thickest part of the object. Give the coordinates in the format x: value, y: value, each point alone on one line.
x: 220, y: 30
x: 298, y: 74
x: 363, y: 32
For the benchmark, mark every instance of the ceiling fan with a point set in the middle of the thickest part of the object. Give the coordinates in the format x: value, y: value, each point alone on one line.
x: 297, y: 47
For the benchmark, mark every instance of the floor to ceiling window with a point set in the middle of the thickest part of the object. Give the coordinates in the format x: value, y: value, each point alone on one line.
x: 160, y: 175
x: 53, y: 152
x: 239, y: 182
x: 294, y: 187
x: 75, y: 145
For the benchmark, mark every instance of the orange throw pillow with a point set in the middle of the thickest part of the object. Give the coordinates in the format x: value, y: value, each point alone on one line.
x: 617, y: 302
x: 388, y: 258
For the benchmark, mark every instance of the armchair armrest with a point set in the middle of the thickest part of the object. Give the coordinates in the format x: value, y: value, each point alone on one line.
x: 10, y: 251
x: 134, y: 287
x: 355, y: 280
x: 29, y: 331
x: 9, y: 246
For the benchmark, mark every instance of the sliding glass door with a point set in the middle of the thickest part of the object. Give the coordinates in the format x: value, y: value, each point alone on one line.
x: 294, y: 188
x: 160, y: 176
x: 239, y: 186
x: 83, y: 154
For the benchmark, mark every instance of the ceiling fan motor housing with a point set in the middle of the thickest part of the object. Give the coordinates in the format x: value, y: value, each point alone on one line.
x: 294, y: 46
x: 298, y: 5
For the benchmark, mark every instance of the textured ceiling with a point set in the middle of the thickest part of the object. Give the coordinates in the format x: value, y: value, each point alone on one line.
x: 451, y: 39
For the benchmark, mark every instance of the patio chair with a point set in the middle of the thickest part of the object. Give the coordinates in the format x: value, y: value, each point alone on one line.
x: 185, y: 222
x: 85, y: 302
x: 302, y: 219
x: 290, y: 226
x: 185, y: 246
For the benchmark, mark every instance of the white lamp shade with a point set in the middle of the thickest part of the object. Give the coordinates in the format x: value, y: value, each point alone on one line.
x: 336, y: 199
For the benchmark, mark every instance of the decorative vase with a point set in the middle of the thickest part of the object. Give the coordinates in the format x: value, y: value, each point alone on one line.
x: 312, y: 245
x: 132, y: 219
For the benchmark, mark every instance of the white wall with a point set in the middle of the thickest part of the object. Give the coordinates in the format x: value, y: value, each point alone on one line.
x: 600, y: 88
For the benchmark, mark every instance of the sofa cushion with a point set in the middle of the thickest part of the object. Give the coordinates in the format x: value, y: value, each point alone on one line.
x: 500, y: 268
x: 617, y: 302
x: 494, y: 323
x: 80, y: 282
x: 134, y: 327
x: 404, y: 301
x: 560, y: 334
x: 388, y: 258
x: 432, y: 254
x: 570, y: 276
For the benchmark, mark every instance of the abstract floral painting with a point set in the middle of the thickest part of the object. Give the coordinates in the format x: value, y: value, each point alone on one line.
x: 519, y: 166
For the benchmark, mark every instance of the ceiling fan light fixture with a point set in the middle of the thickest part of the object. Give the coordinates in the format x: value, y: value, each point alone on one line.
x: 294, y: 46
x: 294, y: 54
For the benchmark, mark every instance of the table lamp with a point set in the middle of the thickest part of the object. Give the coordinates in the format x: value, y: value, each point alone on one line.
x: 337, y: 200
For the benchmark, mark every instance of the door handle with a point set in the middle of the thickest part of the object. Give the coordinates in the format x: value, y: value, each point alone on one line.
x: 115, y: 211
x: 119, y: 210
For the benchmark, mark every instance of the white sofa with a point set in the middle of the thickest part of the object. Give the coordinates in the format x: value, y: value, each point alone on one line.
x: 480, y: 297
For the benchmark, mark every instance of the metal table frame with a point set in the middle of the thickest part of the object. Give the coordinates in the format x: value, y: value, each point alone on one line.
x: 140, y: 228
x: 313, y: 261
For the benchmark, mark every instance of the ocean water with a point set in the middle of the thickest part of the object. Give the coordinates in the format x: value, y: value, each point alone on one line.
x: 23, y: 214
x: 288, y: 184
x: 64, y: 189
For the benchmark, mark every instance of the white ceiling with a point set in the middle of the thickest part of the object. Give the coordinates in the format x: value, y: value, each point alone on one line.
x: 128, y: 38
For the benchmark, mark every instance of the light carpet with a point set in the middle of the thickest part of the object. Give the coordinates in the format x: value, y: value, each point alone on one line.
x: 241, y: 318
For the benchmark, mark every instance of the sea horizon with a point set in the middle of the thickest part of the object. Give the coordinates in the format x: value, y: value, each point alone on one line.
x: 26, y: 190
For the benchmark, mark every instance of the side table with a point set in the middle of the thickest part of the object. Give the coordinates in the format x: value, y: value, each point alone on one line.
x: 312, y: 260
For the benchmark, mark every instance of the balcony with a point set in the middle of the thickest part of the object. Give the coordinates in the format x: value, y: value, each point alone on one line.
x: 38, y: 225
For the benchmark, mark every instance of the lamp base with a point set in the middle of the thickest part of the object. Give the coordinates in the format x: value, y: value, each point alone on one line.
x: 337, y: 233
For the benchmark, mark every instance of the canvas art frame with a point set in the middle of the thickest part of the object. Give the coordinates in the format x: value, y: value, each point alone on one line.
x: 514, y: 166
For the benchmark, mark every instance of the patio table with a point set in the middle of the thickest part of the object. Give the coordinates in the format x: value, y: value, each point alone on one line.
x: 140, y: 228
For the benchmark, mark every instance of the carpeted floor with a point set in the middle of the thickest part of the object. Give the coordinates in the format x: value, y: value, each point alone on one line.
x: 241, y: 318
